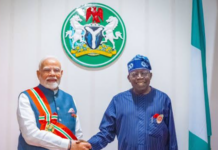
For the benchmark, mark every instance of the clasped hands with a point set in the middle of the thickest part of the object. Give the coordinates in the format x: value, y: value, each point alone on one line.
x: 80, y: 145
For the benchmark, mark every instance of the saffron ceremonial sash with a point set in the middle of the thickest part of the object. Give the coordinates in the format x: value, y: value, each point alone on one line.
x: 47, y: 120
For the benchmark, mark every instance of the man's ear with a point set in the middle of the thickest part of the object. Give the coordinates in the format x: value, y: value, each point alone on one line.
x: 151, y: 75
x: 38, y: 73
x: 62, y: 72
x: 128, y: 77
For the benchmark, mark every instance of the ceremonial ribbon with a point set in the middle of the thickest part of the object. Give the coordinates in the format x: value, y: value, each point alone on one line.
x: 47, y: 120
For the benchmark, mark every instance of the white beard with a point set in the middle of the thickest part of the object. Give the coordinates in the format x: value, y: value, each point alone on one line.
x: 51, y: 85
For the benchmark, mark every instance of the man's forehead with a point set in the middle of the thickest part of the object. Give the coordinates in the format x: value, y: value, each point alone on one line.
x: 49, y: 67
x: 140, y: 70
x: 51, y: 62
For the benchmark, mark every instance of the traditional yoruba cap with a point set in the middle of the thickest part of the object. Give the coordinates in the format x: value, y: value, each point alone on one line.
x: 139, y: 62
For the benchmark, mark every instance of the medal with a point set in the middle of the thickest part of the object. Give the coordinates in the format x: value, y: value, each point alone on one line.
x: 49, y: 127
x: 159, y: 119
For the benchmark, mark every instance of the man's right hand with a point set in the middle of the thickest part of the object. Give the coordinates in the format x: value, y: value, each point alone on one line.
x: 81, y: 145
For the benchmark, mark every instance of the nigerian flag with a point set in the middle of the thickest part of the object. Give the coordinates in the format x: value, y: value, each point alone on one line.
x: 199, y: 112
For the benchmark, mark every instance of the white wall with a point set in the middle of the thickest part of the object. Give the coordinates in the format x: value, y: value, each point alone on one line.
x: 211, y: 30
x: 31, y: 29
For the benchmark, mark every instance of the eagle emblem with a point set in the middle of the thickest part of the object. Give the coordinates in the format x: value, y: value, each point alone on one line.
x: 91, y: 11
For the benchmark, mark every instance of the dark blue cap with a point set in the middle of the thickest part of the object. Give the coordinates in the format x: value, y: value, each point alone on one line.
x: 139, y: 62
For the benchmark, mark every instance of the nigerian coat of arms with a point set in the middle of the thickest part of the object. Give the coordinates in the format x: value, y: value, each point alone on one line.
x: 93, y: 35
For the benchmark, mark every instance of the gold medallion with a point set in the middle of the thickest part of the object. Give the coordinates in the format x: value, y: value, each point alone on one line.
x: 49, y: 127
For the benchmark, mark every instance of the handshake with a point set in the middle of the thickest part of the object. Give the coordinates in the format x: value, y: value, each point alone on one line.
x: 79, y: 145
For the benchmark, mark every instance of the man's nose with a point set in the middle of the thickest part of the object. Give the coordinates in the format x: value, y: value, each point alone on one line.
x: 52, y: 73
x: 139, y: 75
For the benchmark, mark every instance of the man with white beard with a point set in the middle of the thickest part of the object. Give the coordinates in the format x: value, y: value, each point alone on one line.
x: 47, y: 116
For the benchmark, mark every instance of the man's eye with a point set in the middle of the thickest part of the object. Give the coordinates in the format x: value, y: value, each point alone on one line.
x: 47, y: 70
x: 56, y: 70
x: 133, y: 74
x: 145, y: 73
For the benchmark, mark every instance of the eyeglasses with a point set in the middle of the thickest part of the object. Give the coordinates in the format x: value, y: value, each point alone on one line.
x: 47, y: 70
x: 143, y: 74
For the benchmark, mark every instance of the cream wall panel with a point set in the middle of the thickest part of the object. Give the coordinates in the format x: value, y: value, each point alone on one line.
x: 5, y: 66
x: 211, y: 31
x: 181, y: 75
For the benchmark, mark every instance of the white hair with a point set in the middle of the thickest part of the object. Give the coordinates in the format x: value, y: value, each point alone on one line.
x: 47, y: 57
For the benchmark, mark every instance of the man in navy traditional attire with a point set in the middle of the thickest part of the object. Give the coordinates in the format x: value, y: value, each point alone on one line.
x: 47, y: 116
x: 141, y: 117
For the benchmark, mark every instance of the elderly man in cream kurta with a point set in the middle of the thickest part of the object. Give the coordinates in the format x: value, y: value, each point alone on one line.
x: 47, y: 116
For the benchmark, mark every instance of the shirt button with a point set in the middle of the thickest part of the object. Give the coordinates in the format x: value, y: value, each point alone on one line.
x: 60, y: 120
x: 58, y: 108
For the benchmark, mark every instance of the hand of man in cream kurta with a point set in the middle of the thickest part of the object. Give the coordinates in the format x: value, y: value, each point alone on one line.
x: 80, y: 145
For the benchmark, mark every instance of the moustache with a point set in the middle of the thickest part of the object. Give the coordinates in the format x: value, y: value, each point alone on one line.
x: 51, y: 78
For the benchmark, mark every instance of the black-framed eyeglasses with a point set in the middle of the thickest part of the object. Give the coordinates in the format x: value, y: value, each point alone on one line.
x: 143, y: 74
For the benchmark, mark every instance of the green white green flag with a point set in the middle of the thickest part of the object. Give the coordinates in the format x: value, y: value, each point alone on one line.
x: 199, y: 112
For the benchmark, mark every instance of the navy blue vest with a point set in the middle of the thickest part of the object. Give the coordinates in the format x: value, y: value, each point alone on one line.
x: 60, y: 103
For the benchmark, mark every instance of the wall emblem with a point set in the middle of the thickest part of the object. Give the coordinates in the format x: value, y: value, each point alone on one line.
x: 93, y: 35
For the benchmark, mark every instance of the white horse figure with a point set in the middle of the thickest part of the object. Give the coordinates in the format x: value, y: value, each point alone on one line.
x: 78, y: 29
x: 112, y: 24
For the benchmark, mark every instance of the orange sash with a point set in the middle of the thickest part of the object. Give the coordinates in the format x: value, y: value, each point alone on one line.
x: 48, y: 120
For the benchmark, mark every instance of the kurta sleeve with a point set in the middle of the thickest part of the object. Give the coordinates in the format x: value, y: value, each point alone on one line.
x: 107, y: 129
x: 171, y: 127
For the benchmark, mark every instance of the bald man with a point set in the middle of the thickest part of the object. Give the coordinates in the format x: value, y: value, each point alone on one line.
x: 47, y: 116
